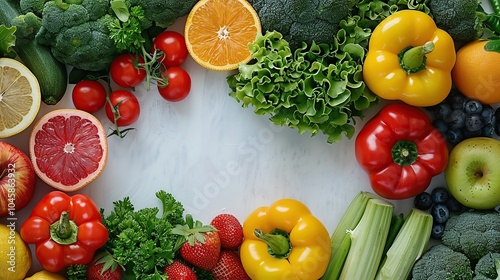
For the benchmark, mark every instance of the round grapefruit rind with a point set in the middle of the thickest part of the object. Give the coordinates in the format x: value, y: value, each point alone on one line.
x: 49, y: 142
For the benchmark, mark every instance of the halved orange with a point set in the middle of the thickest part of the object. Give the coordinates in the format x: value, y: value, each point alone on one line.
x: 218, y: 32
x: 68, y: 148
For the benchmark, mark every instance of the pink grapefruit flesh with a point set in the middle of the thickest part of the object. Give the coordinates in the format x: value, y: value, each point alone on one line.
x: 68, y: 148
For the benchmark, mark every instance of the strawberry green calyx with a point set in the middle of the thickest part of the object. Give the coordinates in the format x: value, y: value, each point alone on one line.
x: 192, y: 231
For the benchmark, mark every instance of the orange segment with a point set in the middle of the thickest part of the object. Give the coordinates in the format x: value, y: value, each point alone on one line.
x: 218, y: 32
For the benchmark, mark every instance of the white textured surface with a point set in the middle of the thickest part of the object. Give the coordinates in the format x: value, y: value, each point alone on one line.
x: 216, y: 156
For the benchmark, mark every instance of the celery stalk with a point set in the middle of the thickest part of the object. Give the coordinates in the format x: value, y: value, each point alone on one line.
x: 368, y: 240
x: 408, y: 246
x: 340, y: 246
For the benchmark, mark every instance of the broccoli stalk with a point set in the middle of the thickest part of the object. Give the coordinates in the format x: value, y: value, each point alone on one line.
x: 410, y: 243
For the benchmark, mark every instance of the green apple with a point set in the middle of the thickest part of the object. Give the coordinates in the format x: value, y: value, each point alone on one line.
x: 473, y: 172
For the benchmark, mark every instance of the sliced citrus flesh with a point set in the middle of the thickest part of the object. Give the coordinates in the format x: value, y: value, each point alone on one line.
x: 20, y: 97
x: 68, y: 148
x: 217, y: 33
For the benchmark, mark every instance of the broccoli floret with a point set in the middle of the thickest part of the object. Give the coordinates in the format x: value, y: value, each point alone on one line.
x: 78, y: 34
x: 34, y: 6
x: 302, y: 21
x: 488, y: 267
x: 442, y: 263
x: 457, y: 17
x: 27, y: 25
x: 164, y: 12
x: 474, y: 233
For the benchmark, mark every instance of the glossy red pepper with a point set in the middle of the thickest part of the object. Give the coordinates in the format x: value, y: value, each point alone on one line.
x: 66, y: 230
x: 401, y: 151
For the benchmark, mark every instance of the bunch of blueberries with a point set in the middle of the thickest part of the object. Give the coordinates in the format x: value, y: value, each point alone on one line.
x: 459, y: 117
x: 441, y: 204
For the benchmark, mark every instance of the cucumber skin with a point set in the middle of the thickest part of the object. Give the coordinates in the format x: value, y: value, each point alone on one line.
x: 51, y: 74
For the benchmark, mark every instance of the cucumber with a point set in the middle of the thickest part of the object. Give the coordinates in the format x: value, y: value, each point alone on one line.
x: 51, y: 74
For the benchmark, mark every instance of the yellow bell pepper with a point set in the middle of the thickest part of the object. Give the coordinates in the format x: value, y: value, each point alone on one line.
x: 410, y: 59
x: 284, y: 241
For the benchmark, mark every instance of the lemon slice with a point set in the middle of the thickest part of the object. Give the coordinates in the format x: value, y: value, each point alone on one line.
x: 218, y: 32
x: 20, y: 97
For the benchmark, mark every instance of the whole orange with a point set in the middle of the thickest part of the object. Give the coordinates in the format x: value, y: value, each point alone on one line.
x: 477, y: 72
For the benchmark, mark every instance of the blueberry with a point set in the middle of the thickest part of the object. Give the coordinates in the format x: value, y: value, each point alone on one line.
x: 456, y: 119
x: 437, y: 231
x: 456, y: 100
x: 423, y: 201
x: 487, y: 130
x: 442, y: 111
x: 440, y: 195
x: 488, y: 114
x: 441, y: 126
x: 453, y: 205
x: 473, y: 106
x: 440, y: 213
x: 454, y: 136
x: 473, y: 122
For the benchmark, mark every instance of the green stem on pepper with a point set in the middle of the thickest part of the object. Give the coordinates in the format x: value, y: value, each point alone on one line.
x: 278, y: 242
x: 412, y: 60
x: 64, y: 231
x: 404, y: 152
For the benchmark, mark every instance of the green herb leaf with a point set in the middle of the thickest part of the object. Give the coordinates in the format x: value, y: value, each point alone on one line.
x: 7, y: 41
x: 492, y: 46
x: 120, y: 8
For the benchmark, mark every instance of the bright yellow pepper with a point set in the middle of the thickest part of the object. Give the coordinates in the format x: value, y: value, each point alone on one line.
x: 410, y: 59
x: 284, y: 242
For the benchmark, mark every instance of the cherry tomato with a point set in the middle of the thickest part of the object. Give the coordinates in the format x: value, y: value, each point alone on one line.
x: 174, y: 47
x: 129, y: 107
x: 125, y: 70
x: 89, y: 96
x: 179, y: 84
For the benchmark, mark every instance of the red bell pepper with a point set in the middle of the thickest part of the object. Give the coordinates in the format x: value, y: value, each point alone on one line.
x: 401, y: 151
x: 66, y: 229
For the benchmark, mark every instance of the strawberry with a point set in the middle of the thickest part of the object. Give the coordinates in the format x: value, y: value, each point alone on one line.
x: 179, y: 271
x: 230, y: 231
x: 104, y: 267
x: 200, y: 245
x: 229, y: 267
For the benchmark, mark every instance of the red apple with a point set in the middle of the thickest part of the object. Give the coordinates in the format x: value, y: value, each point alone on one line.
x: 17, y: 179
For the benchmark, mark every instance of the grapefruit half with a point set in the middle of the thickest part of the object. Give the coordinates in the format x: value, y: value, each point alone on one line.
x: 68, y: 148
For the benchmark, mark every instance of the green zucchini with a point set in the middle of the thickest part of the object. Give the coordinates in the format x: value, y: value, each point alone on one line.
x: 51, y: 74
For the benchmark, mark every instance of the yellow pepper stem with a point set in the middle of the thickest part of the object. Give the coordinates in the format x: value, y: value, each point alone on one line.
x: 278, y: 243
x: 413, y: 59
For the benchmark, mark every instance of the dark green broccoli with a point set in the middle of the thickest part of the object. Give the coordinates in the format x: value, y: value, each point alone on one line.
x: 163, y: 13
x: 488, y: 267
x: 458, y: 18
x: 34, y: 6
x: 464, y: 20
x: 27, y: 25
x: 78, y: 33
x: 474, y: 233
x: 442, y: 263
x: 302, y: 21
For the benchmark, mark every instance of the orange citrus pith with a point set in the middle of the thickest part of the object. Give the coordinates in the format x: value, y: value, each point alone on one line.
x: 218, y: 32
x: 68, y: 148
x: 477, y: 72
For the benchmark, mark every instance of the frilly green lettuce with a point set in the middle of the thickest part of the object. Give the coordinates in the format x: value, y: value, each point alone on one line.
x: 318, y: 88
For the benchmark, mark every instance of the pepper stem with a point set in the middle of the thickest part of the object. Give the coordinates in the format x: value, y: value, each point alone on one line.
x: 404, y: 152
x: 64, y: 231
x: 413, y: 59
x: 278, y: 243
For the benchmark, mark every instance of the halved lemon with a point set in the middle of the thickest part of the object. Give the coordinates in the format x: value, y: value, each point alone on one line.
x: 20, y: 97
x: 218, y: 32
